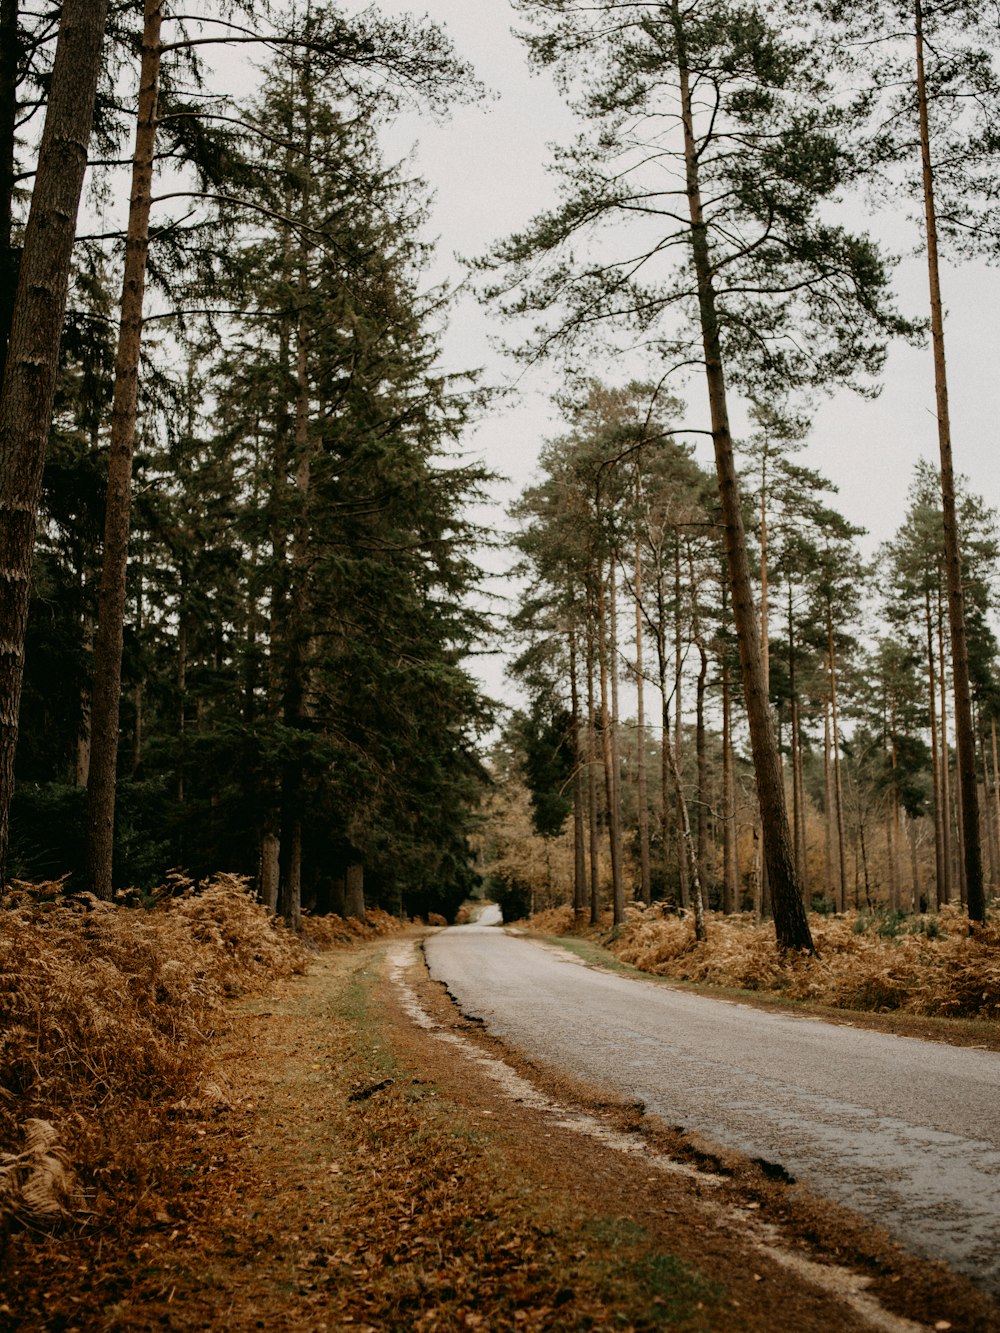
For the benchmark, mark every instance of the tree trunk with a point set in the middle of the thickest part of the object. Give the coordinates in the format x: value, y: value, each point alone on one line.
x: 828, y: 821
x: 940, y: 878
x: 949, y: 880
x: 290, y: 873
x: 686, y: 841
x: 665, y: 794
x: 9, y: 54
x: 645, y: 875
x: 986, y: 829
x: 579, y: 795
x: 730, y: 902
x: 682, y: 870
x: 964, y: 736
x: 29, y: 379
x: 911, y: 828
x: 594, y: 840
x: 616, y: 758
x: 354, y: 892
x: 608, y: 751
x: 117, y: 514
x: 701, y: 757
x: 270, y: 850
x: 996, y: 782
x: 837, y: 783
x: 790, y: 921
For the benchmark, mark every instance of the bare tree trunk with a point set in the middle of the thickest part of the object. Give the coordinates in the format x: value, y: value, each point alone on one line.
x: 828, y: 821
x: 965, y: 740
x: 616, y: 758
x: 730, y: 901
x: 893, y: 821
x: 838, y: 786
x: 790, y: 921
x: 608, y: 750
x: 595, y: 855
x: 645, y: 874
x: 701, y: 758
x: 9, y: 55
x: 911, y: 828
x: 665, y: 788
x: 688, y: 845
x: 270, y: 849
x: 682, y: 872
x: 579, y: 795
x: 354, y: 892
x: 996, y: 783
x: 986, y: 831
x: 29, y: 377
x: 797, y: 812
x: 949, y: 881
x: 940, y: 876
x: 111, y: 613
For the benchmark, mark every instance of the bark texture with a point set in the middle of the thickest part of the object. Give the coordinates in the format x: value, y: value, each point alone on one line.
x: 33, y: 350
x: 108, y: 646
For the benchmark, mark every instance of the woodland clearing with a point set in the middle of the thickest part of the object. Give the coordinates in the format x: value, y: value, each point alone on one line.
x: 287, y: 1148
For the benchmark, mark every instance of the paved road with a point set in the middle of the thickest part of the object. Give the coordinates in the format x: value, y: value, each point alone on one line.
x: 905, y: 1131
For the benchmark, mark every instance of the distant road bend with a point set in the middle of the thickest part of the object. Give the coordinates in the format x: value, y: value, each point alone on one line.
x: 906, y: 1132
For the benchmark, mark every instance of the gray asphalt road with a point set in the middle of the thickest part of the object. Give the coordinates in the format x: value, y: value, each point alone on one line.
x: 907, y: 1132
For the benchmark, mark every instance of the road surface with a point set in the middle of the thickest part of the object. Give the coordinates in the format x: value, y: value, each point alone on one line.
x: 906, y: 1132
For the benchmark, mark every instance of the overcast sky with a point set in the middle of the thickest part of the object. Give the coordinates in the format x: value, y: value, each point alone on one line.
x: 487, y: 167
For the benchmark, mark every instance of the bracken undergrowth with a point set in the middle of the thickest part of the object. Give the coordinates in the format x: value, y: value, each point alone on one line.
x: 105, y: 1014
x: 930, y: 966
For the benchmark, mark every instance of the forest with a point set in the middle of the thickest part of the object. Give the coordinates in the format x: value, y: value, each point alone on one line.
x: 243, y: 576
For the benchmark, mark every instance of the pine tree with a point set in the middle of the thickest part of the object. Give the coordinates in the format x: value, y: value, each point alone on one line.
x: 736, y: 150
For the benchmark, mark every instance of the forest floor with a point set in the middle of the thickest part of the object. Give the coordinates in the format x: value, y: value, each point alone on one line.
x: 369, y: 1160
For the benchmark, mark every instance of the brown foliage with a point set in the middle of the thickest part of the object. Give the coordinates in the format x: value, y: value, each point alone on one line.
x: 327, y: 932
x: 104, y: 1014
x: 928, y: 966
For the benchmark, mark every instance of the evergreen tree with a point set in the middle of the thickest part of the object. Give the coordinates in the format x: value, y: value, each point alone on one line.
x: 713, y: 137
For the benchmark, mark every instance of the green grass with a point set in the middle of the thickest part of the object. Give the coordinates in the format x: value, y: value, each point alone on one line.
x: 667, y: 1292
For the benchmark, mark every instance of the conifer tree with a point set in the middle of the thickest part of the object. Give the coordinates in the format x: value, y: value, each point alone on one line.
x: 712, y: 137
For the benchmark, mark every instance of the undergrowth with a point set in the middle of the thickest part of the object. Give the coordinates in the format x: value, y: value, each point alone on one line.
x: 885, y: 961
x: 105, y: 1013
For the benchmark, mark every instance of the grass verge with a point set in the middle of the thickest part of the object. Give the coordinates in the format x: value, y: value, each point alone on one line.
x: 452, y: 1234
